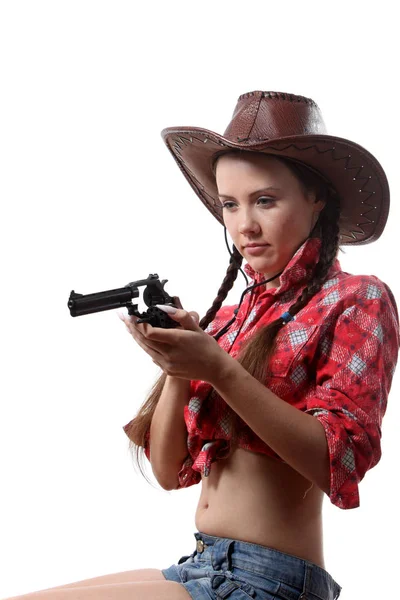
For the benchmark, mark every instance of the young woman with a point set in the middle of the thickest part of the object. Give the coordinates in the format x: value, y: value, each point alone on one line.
x: 274, y: 402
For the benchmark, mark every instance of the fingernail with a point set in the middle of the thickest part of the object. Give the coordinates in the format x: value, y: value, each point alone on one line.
x: 121, y: 316
x: 168, y: 309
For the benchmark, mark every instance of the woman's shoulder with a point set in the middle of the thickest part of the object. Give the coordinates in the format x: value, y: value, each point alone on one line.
x: 349, y: 288
x: 358, y: 306
x: 347, y: 302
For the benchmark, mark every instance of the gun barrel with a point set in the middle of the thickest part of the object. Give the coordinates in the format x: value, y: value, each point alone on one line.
x: 80, y: 304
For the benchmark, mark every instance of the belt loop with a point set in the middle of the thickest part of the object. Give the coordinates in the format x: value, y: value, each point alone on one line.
x: 307, y: 577
x: 221, y: 554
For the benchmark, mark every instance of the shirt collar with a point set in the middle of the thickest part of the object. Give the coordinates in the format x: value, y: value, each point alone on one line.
x: 298, y: 269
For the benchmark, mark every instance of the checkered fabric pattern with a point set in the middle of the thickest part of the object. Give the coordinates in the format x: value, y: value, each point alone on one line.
x: 335, y: 361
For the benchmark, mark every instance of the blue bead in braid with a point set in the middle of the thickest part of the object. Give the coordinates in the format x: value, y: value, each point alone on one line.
x: 287, y: 317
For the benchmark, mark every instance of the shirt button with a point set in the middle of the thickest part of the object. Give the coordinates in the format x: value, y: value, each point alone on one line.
x: 200, y: 546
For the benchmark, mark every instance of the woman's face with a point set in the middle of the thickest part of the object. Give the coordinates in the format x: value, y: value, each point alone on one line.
x: 263, y: 203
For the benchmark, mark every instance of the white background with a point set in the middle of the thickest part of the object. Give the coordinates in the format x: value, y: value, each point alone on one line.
x: 91, y: 200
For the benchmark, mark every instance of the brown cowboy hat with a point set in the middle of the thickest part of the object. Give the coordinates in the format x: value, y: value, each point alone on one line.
x: 289, y: 126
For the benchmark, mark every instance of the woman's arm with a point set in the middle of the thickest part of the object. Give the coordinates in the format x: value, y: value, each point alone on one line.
x: 340, y: 441
x: 298, y: 438
x: 168, y: 433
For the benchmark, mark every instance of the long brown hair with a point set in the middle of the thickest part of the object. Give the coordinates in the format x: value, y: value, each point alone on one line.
x: 255, y: 354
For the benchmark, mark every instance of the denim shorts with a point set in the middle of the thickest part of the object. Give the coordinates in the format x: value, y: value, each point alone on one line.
x: 227, y: 568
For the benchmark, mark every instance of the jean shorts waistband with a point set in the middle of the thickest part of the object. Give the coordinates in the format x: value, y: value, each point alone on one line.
x: 268, y: 562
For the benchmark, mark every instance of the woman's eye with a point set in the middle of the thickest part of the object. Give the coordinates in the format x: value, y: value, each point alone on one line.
x: 265, y: 198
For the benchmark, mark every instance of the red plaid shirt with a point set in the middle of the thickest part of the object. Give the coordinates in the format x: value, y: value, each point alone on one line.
x: 335, y: 361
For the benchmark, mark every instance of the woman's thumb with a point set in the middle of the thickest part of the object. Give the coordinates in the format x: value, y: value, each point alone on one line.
x: 184, y: 317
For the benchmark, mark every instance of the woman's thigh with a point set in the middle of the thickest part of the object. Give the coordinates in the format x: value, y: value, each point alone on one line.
x: 138, y: 575
x: 150, y: 590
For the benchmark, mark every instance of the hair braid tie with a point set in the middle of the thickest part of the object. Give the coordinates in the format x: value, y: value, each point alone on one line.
x: 286, y: 317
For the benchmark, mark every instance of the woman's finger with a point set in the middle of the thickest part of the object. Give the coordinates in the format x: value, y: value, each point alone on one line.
x: 148, y: 347
x: 130, y: 323
x: 151, y: 352
x: 144, y: 341
x: 152, y: 348
x: 131, y: 319
x: 140, y: 327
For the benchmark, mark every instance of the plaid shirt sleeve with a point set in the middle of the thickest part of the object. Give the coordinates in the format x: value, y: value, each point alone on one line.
x: 355, y: 364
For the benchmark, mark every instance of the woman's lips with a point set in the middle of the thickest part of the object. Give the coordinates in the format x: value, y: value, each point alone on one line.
x: 256, y: 250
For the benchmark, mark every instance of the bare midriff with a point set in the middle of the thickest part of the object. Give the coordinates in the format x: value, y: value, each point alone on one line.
x: 255, y: 498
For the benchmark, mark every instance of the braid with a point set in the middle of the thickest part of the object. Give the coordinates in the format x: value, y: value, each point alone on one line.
x: 231, y: 275
x: 329, y: 224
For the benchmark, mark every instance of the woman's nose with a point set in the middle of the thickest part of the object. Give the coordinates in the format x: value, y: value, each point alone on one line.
x: 248, y: 224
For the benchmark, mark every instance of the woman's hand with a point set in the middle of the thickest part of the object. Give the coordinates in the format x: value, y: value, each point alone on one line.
x: 186, y: 352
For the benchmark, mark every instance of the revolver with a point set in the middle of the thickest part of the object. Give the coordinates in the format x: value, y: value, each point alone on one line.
x: 153, y: 294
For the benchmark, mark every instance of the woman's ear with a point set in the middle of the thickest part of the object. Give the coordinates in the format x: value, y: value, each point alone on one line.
x: 319, y: 203
x: 318, y: 206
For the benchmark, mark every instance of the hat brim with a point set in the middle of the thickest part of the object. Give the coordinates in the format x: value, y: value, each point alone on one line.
x: 354, y: 172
